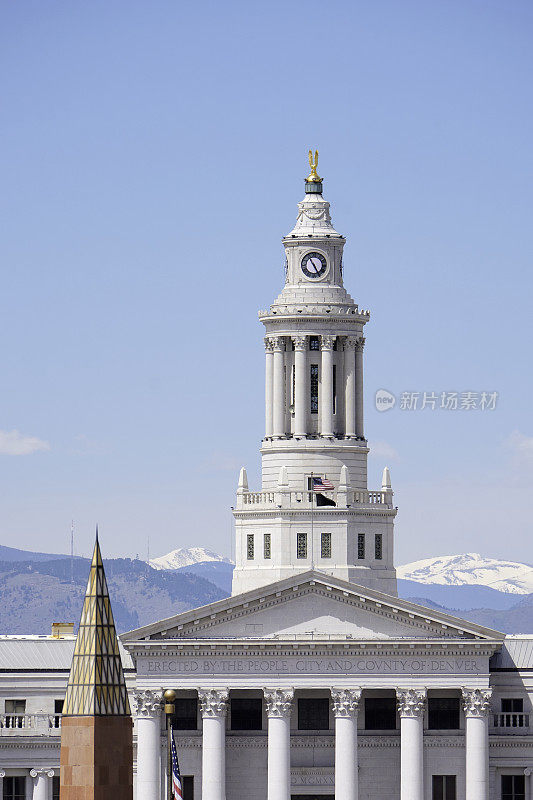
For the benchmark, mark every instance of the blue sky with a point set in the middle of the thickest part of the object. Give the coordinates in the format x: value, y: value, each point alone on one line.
x: 152, y: 155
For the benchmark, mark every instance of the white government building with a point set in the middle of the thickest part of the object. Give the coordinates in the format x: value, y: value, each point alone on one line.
x: 313, y: 681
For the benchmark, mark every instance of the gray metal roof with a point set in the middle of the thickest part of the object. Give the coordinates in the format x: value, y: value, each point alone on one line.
x: 516, y: 653
x: 42, y: 653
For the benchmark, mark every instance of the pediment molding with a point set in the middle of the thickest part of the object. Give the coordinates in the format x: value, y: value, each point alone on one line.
x: 428, y: 622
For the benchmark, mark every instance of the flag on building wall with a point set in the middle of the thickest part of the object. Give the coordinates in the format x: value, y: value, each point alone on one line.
x: 177, y: 791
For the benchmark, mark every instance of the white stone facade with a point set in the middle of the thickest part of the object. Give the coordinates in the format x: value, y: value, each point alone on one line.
x: 313, y: 680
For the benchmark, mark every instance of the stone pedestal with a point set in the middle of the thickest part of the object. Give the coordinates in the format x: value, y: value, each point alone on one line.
x: 96, y: 758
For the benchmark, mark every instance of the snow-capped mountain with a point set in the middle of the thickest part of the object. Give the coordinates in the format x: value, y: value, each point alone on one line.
x: 472, y: 569
x: 185, y: 556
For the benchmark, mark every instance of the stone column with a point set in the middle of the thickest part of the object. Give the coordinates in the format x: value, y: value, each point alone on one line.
x: 213, y: 704
x: 300, y: 386
x: 528, y: 772
x: 41, y: 782
x: 345, y: 710
x: 326, y: 398
x: 359, y: 404
x: 476, y: 704
x: 411, y: 705
x: 278, y: 705
x: 269, y: 374
x: 148, y: 722
x: 349, y: 387
x: 278, y: 391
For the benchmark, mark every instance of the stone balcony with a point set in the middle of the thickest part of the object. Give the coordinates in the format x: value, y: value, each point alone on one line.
x: 511, y: 723
x: 30, y: 724
x: 344, y: 499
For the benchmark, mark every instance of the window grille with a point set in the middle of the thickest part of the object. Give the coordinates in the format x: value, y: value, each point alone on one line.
x: 443, y: 713
x: 360, y: 546
x: 313, y: 714
x: 325, y: 545
x: 246, y: 714
x: 250, y: 546
x: 314, y: 388
x: 267, y: 551
x: 314, y: 343
x: 513, y: 787
x: 185, y: 717
x: 380, y: 713
x: 301, y: 546
x: 15, y: 788
x: 444, y: 787
x: 378, y: 546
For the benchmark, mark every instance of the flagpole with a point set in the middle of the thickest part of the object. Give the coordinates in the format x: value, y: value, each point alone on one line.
x: 312, y: 523
x: 170, y: 697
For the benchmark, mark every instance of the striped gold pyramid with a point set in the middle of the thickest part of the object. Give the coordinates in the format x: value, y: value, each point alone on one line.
x: 96, y: 685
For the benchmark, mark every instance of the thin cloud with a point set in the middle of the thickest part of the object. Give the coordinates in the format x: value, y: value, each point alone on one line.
x: 14, y: 443
x: 521, y: 445
x: 383, y: 450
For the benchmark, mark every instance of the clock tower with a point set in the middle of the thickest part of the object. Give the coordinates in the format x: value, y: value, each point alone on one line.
x: 314, y: 433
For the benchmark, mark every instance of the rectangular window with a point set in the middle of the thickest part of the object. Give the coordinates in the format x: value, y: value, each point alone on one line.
x: 380, y: 713
x: 325, y: 545
x: 250, y: 546
x: 314, y: 388
x: 15, y: 788
x: 313, y: 714
x: 378, y: 546
x: 512, y: 704
x: 246, y: 714
x: 314, y: 343
x: 334, y: 388
x: 267, y: 549
x: 58, y: 710
x: 513, y: 787
x: 360, y: 545
x: 16, y: 710
x: 55, y: 787
x: 443, y: 713
x: 301, y: 545
x: 444, y: 787
x: 187, y: 785
x: 185, y: 717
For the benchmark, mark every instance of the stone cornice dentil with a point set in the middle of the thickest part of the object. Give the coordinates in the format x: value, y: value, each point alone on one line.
x: 146, y: 702
x: 213, y: 702
x: 278, y: 702
x: 476, y: 702
x: 324, y: 310
x: 411, y: 702
x: 345, y: 702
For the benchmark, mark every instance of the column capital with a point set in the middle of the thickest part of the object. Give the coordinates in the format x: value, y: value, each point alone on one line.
x: 213, y: 702
x: 269, y: 344
x: 345, y: 702
x: 327, y: 342
x: 147, y: 703
x: 350, y: 342
x: 36, y: 773
x: 2, y: 773
x: 278, y: 702
x: 278, y: 344
x: 300, y: 342
x: 360, y: 344
x: 476, y: 702
x: 411, y: 702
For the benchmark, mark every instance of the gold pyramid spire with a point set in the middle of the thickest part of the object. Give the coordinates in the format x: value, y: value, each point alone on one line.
x: 96, y: 685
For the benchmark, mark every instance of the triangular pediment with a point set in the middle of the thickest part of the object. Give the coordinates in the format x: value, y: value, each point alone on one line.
x: 315, y: 606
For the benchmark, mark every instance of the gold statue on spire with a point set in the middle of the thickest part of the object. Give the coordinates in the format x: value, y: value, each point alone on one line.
x: 313, y: 175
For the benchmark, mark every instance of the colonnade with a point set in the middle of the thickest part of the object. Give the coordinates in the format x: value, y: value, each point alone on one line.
x: 345, y: 703
x: 277, y: 386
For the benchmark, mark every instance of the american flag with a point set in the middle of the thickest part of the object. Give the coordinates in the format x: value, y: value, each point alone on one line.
x: 319, y: 484
x: 177, y: 792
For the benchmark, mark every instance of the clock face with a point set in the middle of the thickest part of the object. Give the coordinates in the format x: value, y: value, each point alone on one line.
x: 314, y: 265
